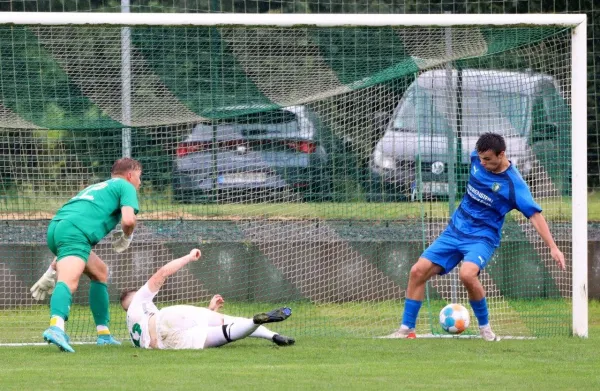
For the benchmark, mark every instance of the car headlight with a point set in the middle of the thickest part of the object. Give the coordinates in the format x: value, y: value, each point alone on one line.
x: 384, y: 161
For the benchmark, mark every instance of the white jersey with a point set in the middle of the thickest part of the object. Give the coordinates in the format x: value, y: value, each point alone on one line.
x: 138, y: 313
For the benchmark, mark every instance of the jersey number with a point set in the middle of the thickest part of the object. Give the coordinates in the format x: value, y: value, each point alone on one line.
x: 85, y: 195
x: 136, y: 334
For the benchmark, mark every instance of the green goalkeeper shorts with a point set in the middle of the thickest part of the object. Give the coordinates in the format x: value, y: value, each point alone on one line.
x: 64, y: 239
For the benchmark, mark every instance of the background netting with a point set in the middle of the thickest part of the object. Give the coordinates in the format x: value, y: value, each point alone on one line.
x: 311, y: 166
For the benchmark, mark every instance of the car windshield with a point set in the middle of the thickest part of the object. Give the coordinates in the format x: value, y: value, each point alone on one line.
x: 428, y: 111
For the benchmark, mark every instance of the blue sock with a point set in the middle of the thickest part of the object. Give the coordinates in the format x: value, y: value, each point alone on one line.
x: 411, y: 311
x: 481, y: 311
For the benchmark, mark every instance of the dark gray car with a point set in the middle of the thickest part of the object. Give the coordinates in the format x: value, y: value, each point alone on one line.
x: 263, y: 156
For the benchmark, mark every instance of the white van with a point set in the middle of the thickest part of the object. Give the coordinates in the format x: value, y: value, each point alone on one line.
x: 413, y: 156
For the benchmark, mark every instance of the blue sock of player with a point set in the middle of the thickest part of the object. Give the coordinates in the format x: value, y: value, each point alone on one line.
x: 411, y: 311
x: 481, y: 311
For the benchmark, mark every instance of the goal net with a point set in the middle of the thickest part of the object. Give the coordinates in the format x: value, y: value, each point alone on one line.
x: 312, y: 158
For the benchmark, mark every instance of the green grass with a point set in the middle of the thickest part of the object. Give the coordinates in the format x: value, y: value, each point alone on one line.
x: 561, y: 363
x: 319, y: 363
x: 594, y: 206
x: 540, y: 318
x: 156, y: 207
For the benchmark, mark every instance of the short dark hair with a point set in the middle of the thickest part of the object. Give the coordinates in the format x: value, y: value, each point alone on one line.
x: 491, y: 142
x: 124, y: 165
x: 125, y: 293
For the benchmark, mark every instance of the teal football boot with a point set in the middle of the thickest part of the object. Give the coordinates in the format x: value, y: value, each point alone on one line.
x: 107, y: 339
x: 58, y: 337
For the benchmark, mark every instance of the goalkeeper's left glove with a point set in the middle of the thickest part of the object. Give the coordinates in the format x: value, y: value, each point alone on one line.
x: 44, y: 286
x: 122, y: 241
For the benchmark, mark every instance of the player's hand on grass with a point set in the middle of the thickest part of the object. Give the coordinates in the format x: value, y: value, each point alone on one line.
x: 559, y: 257
x: 121, y: 241
x: 216, y: 303
x: 44, y: 286
x: 195, y: 254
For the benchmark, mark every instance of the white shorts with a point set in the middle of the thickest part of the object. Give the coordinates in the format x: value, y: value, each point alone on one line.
x: 182, y: 327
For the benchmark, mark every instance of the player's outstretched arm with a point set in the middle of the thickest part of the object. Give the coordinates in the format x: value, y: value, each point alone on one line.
x: 541, y: 226
x: 158, y: 279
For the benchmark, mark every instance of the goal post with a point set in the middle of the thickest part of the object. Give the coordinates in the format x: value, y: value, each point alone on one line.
x: 306, y: 155
x: 579, y: 175
x: 291, y: 20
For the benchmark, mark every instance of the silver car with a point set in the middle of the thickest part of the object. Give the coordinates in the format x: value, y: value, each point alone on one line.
x: 254, y: 157
x: 420, y: 143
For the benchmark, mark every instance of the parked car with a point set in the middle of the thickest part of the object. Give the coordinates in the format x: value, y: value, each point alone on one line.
x: 271, y: 155
x: 412, y: 158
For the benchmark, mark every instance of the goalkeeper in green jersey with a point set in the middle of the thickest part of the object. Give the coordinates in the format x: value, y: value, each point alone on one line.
x: 78, y: 225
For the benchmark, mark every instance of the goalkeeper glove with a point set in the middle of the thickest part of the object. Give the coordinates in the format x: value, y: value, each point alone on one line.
x: 44, y: 286
x: 121, y: 241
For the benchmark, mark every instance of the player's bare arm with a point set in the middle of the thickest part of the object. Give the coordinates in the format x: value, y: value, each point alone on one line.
x: 128, y: 220
x: 158, y: 279
x: 541, y: 226
x: 123, y: 237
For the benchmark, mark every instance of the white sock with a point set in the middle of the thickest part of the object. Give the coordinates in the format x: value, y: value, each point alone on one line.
x: 58, y: 322
x: 215, y: 337
x: 240, y: 328
x: 263, y: 332
x: 260, y: 332
x: 220, y: 335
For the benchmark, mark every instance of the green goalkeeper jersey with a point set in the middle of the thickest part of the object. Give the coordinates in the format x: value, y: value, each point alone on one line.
x: 96, y: 210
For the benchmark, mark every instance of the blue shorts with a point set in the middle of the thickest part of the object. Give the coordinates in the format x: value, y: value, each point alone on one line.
x: 448, y: 250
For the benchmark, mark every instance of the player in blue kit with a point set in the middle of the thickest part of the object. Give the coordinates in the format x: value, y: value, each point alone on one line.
x: 495, y: 188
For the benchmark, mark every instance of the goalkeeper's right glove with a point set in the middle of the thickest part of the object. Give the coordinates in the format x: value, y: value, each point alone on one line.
x: 44, y: 286
x: 122, y: 241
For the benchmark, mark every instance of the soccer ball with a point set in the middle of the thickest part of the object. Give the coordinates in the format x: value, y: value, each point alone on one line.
x: 454, y: 318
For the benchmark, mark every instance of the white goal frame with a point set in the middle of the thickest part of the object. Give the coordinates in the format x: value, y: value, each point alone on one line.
x: 578, y: 83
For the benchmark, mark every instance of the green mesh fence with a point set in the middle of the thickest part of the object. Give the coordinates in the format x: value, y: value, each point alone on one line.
x: 312, y: 166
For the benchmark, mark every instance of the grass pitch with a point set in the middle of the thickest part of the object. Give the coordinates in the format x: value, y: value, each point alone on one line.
x: 561, y: 363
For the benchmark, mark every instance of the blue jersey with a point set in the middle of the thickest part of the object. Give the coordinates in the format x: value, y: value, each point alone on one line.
x: 488, y: 198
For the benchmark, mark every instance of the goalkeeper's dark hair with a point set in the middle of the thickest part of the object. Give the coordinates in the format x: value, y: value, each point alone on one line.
x: 124, y: 165
x: 491, y: 142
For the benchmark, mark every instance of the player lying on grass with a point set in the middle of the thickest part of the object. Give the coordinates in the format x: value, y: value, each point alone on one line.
x: 186, y: 326
x: 77, y: 226
x: 495, y: 188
